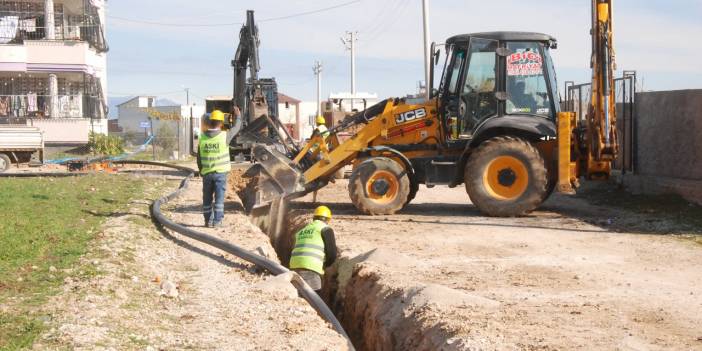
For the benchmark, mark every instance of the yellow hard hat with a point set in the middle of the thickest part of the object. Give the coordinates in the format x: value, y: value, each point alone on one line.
x: 323, y: 211
x: 217, y: 115
x: 321, y: 120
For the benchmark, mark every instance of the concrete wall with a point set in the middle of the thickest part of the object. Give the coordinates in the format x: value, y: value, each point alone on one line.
x: 308, y: 112
x: 64, y: 131
x: 669, y: 144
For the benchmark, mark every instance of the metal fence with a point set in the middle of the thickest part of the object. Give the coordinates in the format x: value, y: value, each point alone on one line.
x: 24, y: 96
x: 578, y: 101
x: 39, y: 106
x: 170, y: 140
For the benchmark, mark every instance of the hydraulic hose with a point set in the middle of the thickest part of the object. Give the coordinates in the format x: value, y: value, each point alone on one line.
x: 274, y: 267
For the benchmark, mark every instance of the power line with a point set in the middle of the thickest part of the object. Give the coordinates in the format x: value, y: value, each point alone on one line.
x: 399, y: 11
x: 112, y: 93
x: 197, y: 96
x: 233, y: 23
x: 311, y: 12
x: 377, y: 21
x: 172, y: 24
x: 153, y: 72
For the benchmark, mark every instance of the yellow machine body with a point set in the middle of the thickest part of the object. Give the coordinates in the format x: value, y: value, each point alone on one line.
x: 476, y: 131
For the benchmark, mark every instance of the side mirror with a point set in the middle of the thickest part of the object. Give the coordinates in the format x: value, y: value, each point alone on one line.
x: 435, y: 53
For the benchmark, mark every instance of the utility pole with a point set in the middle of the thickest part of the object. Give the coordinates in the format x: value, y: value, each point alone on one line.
x: 318, y: 72
x: 427, y: 48
x: 350, y: 44
x: 187, y: 96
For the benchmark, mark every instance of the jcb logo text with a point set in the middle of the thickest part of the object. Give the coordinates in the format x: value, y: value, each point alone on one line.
x: 411, y: 116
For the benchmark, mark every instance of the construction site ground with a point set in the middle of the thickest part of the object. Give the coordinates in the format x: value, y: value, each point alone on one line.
x: 602, y: 270
x: 152, y: 289
x: 586, y: 272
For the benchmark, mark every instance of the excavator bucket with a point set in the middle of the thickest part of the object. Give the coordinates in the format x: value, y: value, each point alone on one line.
x: 272, y: 178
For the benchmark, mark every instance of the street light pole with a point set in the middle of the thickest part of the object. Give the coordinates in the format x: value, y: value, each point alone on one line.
x: 427, y: 48
x: 351, y: 42
x: 318, y: 72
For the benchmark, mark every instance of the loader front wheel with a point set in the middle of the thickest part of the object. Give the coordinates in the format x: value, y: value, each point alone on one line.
x: 379, y: 186
x: 506, y: 177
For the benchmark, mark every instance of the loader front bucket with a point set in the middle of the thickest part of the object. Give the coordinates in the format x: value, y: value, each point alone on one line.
x: 272, y: 178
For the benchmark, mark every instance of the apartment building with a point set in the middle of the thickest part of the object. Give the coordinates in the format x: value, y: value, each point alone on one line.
x: 53, y: 67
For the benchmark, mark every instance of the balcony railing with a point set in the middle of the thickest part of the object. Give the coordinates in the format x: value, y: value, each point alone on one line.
x: 15, y: 30
x: 15, y: 108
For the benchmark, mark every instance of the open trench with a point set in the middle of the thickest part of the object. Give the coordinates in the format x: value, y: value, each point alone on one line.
x: 376, y: 314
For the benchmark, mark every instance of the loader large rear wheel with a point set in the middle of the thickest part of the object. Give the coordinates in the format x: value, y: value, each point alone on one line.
x: 379, y: 186
x: 506, y: 177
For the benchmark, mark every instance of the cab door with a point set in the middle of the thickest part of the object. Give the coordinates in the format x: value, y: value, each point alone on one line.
x: 469, y: 88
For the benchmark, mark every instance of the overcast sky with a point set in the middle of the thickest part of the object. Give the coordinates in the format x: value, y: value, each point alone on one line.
x: 190, y: 43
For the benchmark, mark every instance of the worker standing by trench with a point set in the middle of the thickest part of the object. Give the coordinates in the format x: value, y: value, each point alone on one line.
x: 315, y: 249
x: 214, y: 164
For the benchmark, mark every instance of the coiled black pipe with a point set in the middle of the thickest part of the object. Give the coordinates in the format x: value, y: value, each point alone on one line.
x: 274, y: 267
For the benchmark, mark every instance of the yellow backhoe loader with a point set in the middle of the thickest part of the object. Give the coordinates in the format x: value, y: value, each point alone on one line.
x: 494, y: 124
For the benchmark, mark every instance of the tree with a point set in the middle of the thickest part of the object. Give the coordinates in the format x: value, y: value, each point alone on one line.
x: 166, y: 138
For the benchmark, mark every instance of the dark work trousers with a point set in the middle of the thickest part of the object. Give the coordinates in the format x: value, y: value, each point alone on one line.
x: 213, y: 186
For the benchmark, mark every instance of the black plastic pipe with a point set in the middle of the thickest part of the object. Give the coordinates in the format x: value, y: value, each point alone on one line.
x: 43, y: 174
x: 274, y: 267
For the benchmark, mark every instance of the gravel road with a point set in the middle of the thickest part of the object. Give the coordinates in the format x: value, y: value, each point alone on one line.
x: 566, y: 277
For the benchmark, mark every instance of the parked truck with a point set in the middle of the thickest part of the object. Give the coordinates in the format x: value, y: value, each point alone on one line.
x: 20, y: 144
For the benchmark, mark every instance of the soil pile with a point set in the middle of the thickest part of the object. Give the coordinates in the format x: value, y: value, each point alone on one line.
x: 245, y: 184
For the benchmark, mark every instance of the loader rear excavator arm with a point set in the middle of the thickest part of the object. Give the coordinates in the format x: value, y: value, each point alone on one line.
x: 588, y: 148
x: 246, y: 57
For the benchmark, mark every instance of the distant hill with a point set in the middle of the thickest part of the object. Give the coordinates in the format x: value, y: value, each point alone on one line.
x: 113, y: 101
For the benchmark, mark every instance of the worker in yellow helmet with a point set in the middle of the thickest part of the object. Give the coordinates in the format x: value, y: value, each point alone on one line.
x: 214, y: 164
x: 315, y: 249
x: 321, y: 127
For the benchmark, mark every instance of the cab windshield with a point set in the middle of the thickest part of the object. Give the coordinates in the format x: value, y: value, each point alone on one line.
x: 527, y: 86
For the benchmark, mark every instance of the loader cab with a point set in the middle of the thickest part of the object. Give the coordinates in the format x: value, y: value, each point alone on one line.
x: 495, y: 75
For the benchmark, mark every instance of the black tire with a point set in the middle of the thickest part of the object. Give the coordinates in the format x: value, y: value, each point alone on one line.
x: 379, y: 186
x: 414, y: 188
x: 506, y: 177
x: 552, y: 179
x: 5, y: 163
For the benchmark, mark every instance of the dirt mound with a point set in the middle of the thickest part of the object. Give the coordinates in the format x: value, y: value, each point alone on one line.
x: 245, y: 184
x: 379, y: 314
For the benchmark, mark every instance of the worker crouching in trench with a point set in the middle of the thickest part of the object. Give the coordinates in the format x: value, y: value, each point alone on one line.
x: 314, y: 249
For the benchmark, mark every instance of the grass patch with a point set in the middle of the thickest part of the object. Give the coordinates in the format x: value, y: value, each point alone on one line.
x: 45, y: 223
